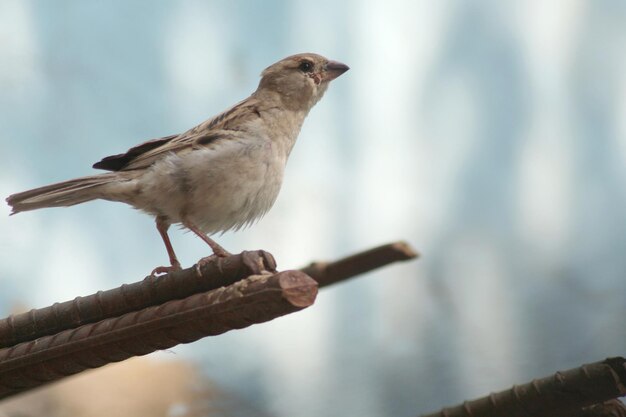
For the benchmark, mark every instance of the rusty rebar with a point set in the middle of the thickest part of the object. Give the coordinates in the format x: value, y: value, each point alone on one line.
x: 327, y: 273
x: 612, y: 408
x: 563, y: 394
x: 207, y: 299
x: 253, y: 300
x: 213, y: 273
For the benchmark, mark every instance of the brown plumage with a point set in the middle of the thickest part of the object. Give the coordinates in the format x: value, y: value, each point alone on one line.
x: 222, y: 174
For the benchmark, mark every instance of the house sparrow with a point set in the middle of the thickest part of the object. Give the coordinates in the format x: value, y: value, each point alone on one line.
x: 221, y: 175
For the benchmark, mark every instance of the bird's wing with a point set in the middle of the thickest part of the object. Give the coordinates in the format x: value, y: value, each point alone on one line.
x: 119, y: 161
x: 206, y: 133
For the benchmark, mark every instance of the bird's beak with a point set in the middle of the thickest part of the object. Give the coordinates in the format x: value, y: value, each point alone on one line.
x: 334, y: 69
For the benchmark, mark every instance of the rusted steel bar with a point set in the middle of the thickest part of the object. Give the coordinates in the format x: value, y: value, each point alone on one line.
x: 212, y: 273
x: 563, y: 394
x: 327, y: 273
x: 613, y: 408
x: 253, y: 300
x: 48, y: 344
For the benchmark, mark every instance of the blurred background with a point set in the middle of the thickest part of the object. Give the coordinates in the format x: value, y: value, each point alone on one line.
x: 491, y: 135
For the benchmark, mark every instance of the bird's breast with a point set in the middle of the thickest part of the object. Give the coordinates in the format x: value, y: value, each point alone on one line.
x: 226, y: 185
x: 235, y: 185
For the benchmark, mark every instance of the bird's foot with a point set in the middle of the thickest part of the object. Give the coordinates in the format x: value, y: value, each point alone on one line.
x: 258, y: 261
x: 217, y: 255
x: 209, y: 260
x: 220, y: 252
x: 165, y: 269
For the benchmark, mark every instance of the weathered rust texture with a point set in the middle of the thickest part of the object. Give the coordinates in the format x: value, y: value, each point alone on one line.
x: 327, y: 273
x: 213, y: 273
x: 207, y: 275
x: 253, y: 300
x: 612, y: 408
x: 564, y: 394
x: 207, y: 299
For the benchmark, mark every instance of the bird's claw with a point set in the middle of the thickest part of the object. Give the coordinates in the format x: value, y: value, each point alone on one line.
x: 215, y: 258
x: 258, y: 262
x: 220, y: 252
x: 164, y: 270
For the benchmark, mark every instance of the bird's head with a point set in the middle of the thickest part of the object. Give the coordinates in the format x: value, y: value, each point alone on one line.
x: 300, y: 80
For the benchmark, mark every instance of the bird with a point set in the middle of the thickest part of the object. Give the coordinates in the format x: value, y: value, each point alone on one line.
x: 223, y: 174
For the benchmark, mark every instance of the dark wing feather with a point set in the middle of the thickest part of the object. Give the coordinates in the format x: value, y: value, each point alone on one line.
x: 206, y: 133
x: 119, y: 161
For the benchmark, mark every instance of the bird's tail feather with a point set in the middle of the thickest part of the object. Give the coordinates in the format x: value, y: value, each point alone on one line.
x: 61, y: 194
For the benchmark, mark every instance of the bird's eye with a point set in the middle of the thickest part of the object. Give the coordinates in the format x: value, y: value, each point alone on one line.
x: 306, y: 66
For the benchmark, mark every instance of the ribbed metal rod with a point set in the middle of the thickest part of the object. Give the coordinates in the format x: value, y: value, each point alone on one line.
x: 563, y: 394
x: 327, y: 273
x: 253, y: 300
x: 211, y: 274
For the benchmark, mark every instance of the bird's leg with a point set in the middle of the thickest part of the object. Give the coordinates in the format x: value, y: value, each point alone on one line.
x: 162, y: 225
x: 255, y: 261
x: 218, y: 251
